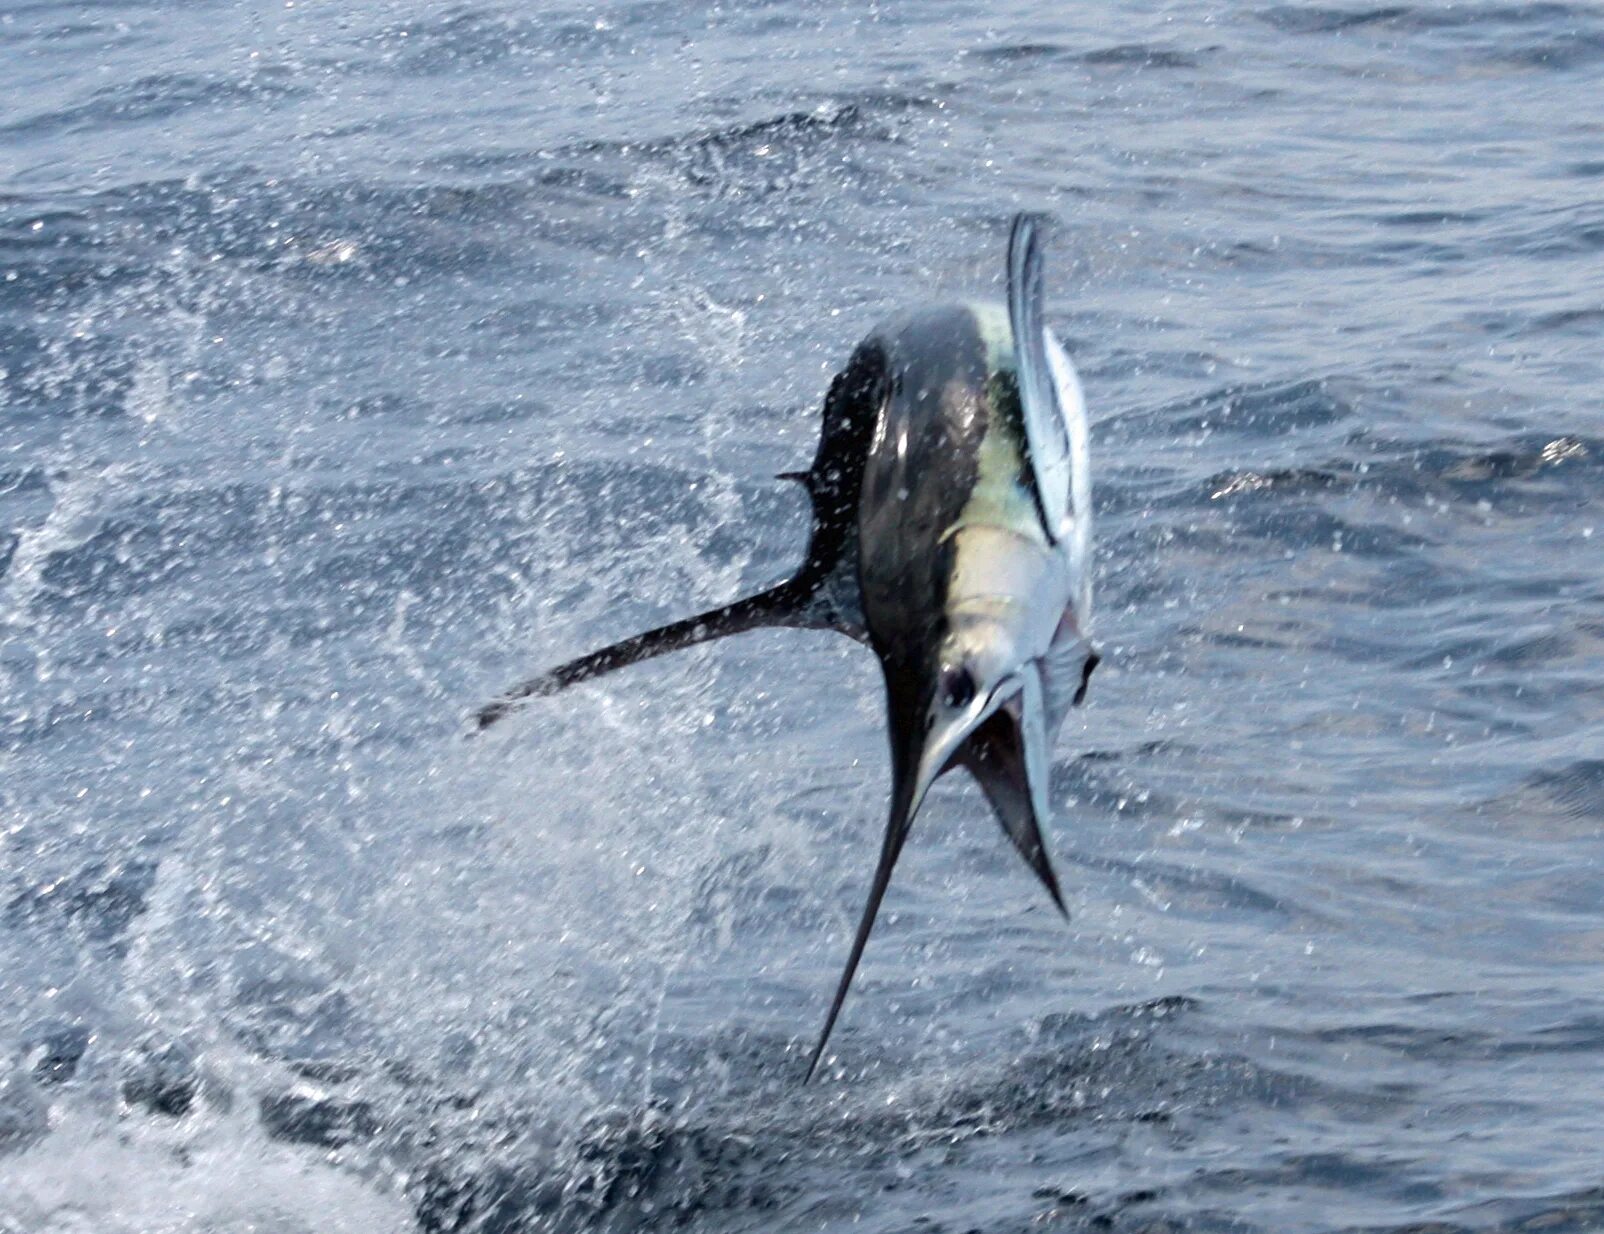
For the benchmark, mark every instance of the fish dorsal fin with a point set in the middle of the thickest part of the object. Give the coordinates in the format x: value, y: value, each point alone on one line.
x: 1047, y: 432
x: 834, y: 483
x: 835, y: 479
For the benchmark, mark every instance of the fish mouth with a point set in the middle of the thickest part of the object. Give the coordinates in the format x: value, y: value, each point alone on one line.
x: 943, y: 744
x: 916, y: 765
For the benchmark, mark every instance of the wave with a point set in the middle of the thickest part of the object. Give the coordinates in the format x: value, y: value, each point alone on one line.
x: 1135, y: 56
x: 160, y: 96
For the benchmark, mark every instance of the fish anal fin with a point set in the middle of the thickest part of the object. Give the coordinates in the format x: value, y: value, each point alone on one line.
x: 1000, y: 757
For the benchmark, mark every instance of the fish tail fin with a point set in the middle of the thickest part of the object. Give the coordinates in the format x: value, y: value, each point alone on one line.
x: 779, y: 606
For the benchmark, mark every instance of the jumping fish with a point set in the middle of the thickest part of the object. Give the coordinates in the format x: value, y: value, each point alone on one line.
x: 952, y: 531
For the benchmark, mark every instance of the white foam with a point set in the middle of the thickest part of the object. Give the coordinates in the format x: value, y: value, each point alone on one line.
x: 89, y: 1175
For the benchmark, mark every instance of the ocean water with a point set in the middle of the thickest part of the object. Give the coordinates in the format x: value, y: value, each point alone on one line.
x: 357, y: 359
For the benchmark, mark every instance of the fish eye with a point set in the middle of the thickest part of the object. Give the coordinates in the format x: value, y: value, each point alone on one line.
x: 957, y: 686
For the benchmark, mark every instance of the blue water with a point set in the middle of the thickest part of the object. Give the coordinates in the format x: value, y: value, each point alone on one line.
x: 359, y: 359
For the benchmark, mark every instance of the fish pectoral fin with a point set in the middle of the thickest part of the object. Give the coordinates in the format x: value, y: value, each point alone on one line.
x: 1045, y: 432
x: 785, y: 605
x: 1008, y: 756
x: 1066, y: 674
x: 1088, y: 666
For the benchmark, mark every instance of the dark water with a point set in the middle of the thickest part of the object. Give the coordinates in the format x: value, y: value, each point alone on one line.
x: 357, y: 359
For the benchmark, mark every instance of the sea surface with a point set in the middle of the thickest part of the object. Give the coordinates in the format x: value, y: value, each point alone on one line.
x: 360, y: 358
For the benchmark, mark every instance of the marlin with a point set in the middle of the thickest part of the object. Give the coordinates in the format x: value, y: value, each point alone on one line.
x: 952, y: 532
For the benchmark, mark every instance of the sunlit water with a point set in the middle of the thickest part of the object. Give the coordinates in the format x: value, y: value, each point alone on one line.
x: 358, y: 359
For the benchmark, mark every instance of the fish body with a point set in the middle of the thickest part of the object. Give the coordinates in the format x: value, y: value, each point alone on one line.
x: 952, y: 534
